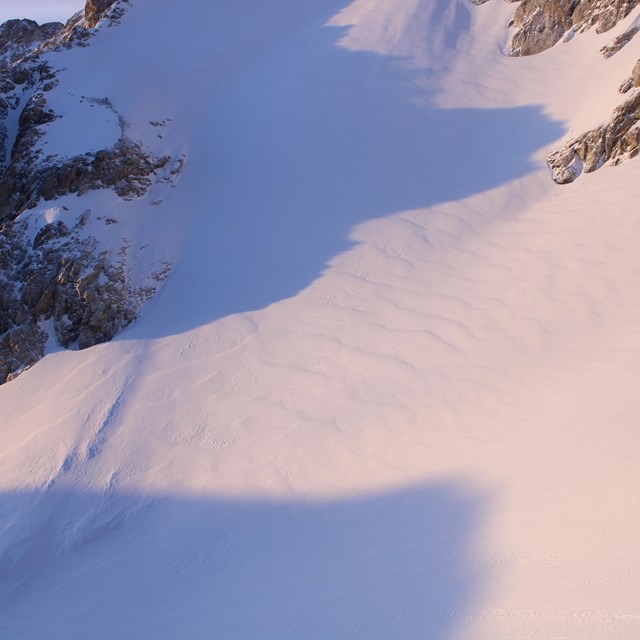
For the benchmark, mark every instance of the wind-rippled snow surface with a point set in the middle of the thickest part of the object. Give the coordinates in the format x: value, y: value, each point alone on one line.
x: 390, y: 387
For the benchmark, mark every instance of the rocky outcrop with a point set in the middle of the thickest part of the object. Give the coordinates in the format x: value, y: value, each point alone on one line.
x: 29, y: 176
x: 95, y: 10
x: 540, y: 24
x: 632, y: 81
x: 63, y: 277
x: 635, y: 75
x: 611, y: 143
x: 57, y: 279
x: 621, y: 41
x: 19, y: 37
x: 126, y: 168
x: 20, y: 70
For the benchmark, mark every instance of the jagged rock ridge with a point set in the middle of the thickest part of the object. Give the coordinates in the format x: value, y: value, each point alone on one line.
x: 95, y: 10
x: 614, y: 142
x: 19, y: 37
x: 540, y: 24
x: 64, y: 276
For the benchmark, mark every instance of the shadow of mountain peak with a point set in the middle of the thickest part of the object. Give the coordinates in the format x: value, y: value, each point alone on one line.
x: 312, y: 140
x: 103, y: 565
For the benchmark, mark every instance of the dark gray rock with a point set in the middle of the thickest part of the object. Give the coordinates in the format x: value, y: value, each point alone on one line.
x: 19, y: 37
x: 20, y: 348
x: 64, y: 277
x: 126, y: 167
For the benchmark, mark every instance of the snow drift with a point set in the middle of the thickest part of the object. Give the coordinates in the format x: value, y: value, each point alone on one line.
x: 387, y: 389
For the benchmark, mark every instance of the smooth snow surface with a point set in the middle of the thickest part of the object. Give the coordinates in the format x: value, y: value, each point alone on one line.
x: 389, y: 390
x: 94, y: 126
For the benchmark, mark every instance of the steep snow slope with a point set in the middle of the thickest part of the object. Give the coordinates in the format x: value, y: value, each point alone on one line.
x: 388, y: 389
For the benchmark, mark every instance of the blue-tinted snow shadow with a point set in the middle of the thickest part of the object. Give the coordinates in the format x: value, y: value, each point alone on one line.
x: 308, y: 144
x: 106, y: 565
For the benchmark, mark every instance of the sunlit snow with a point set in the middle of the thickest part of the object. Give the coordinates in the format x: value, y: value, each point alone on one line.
x: 389, y: 389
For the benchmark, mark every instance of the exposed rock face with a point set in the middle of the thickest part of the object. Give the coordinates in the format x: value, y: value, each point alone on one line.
x: 541, y: 24
x: 632, y: 81
x: 95, y: 10
x: 612, y: 143
x: 19, y: 71
x: 63, y: 277
x: 28, y: 176
x: 19, y: 37
x: 126, y: 168
x: 621, y: 41
x: 635, y: 75
x: 23, y: 74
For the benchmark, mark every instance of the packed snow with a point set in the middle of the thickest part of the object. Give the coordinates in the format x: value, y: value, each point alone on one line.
x: 388, y: 390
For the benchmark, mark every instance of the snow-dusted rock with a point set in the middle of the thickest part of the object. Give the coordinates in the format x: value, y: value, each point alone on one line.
x: 622, y: 40
x: 632, y: 81
x: 388, y: 390
x: 19, y: 37
x: 66, y: 277
x: 613, y: 143
x: 95, y: 10
x: 540, y: 24
x: 63, y: 274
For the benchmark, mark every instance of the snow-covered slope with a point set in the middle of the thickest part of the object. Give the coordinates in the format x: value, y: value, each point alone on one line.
x: 388, y: 389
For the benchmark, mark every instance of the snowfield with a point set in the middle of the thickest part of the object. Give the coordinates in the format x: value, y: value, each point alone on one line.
x: 389, y: 389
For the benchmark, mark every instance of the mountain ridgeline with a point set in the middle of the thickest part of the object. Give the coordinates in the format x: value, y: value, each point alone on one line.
x: 58, y: 281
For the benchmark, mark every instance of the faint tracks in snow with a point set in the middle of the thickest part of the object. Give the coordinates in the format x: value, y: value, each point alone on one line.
x: 102, y: 419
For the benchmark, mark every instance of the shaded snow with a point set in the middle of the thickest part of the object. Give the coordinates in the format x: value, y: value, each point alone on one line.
x: 389, y: 388
x: 83, y: 126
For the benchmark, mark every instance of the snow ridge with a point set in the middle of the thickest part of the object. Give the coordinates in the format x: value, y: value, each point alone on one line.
x: 387, y: 386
